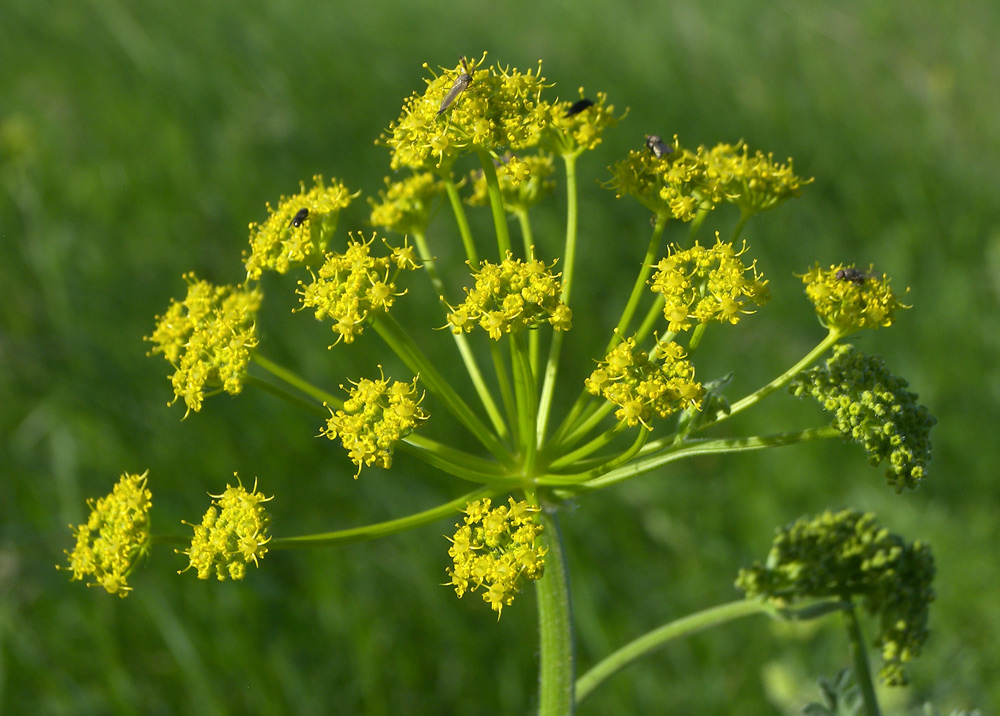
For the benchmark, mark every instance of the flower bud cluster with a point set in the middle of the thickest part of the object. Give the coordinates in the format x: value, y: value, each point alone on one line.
x: 873, y: 408
x: 374, y: 418
x: 847, y: 299
x: 496, y: 549
x: 846, y: 555
x: 298, y: 232
x: 680, y: 182
x: 707, y: 284
x: 524, y: 182
x: 207, y: 337
x: 232, y: 534
x: 114, y: 537
x: 353, y: 285
x: 511, y: 296
x: 644, y: 388
x: 405, y: 206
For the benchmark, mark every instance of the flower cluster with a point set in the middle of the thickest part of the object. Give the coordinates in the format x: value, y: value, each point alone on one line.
x: 642, y: 388
x: 844, y: 555
x: 496, y: 548
x: 675, y: 182
x: 405, y: 206
x: 707, y: 284
x: 754, y: 183
x: 207, y: 337
x: 511, y: 296
x: 873, y: 408
x: 578, y: 126
x: 232, y: 533
x: 848, y: 299
x: 490, y: 109
x: 374, y: 418
x: 114, y: 537
x: 353, y: 285
x: 524, y: 182
x: 298, y: 232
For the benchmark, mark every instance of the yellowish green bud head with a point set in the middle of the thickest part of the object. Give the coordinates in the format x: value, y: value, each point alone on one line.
x: 703, y: 285
x: 511, y: 296
x: 645, y: 388
x: 873, y: 408
x: 848, y: 299
x: 374, y: 418
x: 207, y: 338
x: 496, y: 549
x: 232, y: 534
x: 575, y: 127
x: 405, y: 206
x: 847, y: 555
x: 114, y: 537
x: 524, y: 182
x: 349, y: 287
x: 298, y: 231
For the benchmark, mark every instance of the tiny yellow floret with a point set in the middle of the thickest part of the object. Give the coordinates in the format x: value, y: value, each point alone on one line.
x: 115, y: 536
x: 208, y: 338
x: 232, y: 534
x: 496, y: 549
x: 374, y: 418
x: 848, y: 299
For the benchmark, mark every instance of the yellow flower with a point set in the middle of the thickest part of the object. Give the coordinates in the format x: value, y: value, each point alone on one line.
x: 576, y: 127
x: 405, y: 206
x: 494, y: 109
x: 511, y: 296
x: 298, y: 231
x: 847, y: 299
x: 232, y: 534
x: 641, y: 387
x: 115, y: 536
x: 374, y: 418
x: 707, y: 284
x: 353, y: 285
x: 496, y: 549
x: 207, y: 337
x: 524, y: 182
x: 754, y: 183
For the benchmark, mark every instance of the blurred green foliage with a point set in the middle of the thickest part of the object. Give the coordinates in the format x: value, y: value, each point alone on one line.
x: 137, y: 140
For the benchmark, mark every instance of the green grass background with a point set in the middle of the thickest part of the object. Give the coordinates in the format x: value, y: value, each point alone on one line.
x: 137, y: 140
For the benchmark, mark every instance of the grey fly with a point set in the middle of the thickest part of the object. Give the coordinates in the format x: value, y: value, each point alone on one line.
x: 657, y: 146
x: 461, y: 84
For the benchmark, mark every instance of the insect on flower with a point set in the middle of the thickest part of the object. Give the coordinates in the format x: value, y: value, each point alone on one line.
x: 300, y: 216
x: 579, y: 106
x: 461, y: 84
x: 855, y: 276
x: 657, y: 146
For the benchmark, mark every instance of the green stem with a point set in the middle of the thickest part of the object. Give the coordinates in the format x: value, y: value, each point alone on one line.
x: 529, y: 254
x: 296, y: 400
x: 496, y: 202
x: 527, y: 402
x: 461, y: 340
x: 655, y: 639
x: 296, y: 381
x: 403, y: 346
x: 860, y: 657
x: 556, y: 668
x: 463, y: 222
x: 591, y: 447
x: 456, y: 462
x: 667, y: 451
x: 744, y: 218
x: 379, y: 529
x: 569, y: 260
x: 648, y: 261
x: 779, y: 382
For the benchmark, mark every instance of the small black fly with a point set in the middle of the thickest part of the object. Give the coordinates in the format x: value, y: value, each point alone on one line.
x: 300, y: 216
x: 657, y: 146
x: 461, y: 84
x: 855, y: 276
x: 579, y: 106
